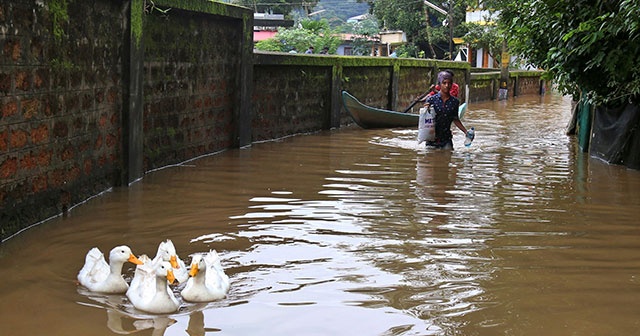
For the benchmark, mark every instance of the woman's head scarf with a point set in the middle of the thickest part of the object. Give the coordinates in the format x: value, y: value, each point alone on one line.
x: 442, y: 75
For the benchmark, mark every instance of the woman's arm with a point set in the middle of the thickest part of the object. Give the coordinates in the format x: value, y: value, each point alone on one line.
x: 460, y: 126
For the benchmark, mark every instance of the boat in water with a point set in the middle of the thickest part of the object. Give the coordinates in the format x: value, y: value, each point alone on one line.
x: 372, y: 117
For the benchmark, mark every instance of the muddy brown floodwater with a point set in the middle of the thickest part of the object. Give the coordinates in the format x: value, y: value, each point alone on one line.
x: 362, y: 232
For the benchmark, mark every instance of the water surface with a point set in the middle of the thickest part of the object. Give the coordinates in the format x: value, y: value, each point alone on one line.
x: 362, y: 232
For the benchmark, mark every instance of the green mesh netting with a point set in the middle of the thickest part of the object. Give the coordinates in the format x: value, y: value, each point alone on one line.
x: 615, y: 136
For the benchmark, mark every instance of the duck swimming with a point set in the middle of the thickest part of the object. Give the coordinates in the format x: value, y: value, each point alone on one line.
x: 167, y: 252
x: 207, y: 281
x: 152, y: 294
x: 98, y: 276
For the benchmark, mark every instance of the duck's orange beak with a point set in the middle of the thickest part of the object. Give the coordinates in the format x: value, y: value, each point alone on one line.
x: 174, y: 262
x: 135, y: 260
x: 170, y: 277
x: 194, y: 270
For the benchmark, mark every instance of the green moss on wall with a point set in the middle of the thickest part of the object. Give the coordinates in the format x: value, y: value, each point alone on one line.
x: 61, y: 65
x: 248, y: 33
x: 524, y: 73
x: 354, y: 61
x: 59, y: 16
x: 59, y: 12
x: 137, y: 7
x: 485, y: 76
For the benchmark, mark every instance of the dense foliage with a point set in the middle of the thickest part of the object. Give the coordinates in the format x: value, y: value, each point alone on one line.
x: 363, y: 34
x: 587, y: 45
x: 310, y: 33
x: 486, y: 37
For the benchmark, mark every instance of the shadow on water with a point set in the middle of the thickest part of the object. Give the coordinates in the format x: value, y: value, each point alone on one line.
x: 362, y: 232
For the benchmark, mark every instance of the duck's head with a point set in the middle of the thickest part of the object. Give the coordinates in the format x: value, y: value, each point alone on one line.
x: 123, y: 253
x: 167, y: 252
x: 197, y: 264
x: 165, y: 270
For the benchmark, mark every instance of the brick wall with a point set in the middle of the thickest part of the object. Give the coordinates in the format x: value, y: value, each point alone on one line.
x: 528, y: 85
x: 67, y: 93
x: 189, y: 87
x: 60, y: 95
x: 290, y: 100
x: 483, y: 88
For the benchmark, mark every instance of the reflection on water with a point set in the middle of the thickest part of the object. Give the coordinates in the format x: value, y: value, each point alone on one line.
x: 362, y: 232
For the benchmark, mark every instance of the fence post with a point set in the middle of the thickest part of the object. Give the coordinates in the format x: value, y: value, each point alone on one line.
x: 133, y: 98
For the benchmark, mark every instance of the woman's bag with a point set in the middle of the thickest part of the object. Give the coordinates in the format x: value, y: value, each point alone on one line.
x: 427, y: 125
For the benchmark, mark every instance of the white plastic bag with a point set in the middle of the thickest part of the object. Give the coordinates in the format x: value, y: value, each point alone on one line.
x: 426, y: 125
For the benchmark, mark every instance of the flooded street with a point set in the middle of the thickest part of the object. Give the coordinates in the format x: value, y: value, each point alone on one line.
x: 362, y: 232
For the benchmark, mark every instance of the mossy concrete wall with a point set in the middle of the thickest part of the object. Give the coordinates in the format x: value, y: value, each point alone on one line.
x: 486, y: 84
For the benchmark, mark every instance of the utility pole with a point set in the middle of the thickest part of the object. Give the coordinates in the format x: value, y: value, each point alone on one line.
x: 428, y: 22
x: 450, y: 17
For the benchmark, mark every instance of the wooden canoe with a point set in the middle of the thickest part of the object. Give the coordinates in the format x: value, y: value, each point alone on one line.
x: 371, y: 117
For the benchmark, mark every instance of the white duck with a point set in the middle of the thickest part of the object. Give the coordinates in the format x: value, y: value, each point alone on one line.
x: 167, y: 252
x: 98, y: 276
x: 215, y: 260
x: 143, y: 276
x: 154, y: 296
x: 208, y: 282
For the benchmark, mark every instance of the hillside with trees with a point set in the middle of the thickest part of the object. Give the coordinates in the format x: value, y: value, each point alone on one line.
x: 338, y: 11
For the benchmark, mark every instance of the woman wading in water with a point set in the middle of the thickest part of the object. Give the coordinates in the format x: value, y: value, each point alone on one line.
x: 446, y: 107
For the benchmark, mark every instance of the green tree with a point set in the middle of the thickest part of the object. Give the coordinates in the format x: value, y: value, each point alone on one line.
x: 486, y: 37
x: 405, y: 15
x: 591, y: 45
x: 363, y: 34
x: 310, y: 33
x: 422, y: 24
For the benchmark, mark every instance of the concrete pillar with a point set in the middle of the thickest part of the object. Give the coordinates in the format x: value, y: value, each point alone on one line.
x: 133, y: 98
x: 242, y: 114
x: 336, y: 96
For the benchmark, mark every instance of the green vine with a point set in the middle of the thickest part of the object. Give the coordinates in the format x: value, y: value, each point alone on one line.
x: 59, y: 65
x: 60, y: 16
x: 136, y: 21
